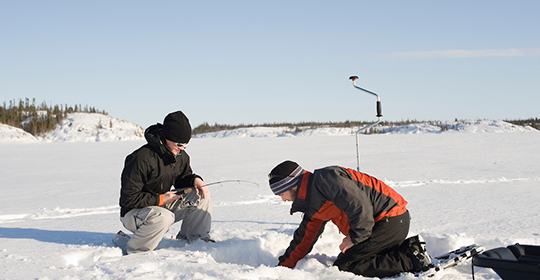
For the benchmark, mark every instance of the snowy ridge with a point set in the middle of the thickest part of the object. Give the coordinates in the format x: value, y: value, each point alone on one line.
x: 492, y: 126
x: 247, y: 132
x: 79, y: 127
x: 481, y: 126
x: 93, y: 127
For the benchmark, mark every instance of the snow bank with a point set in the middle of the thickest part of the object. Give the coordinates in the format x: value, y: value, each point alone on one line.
x: 10, y: 133
x: 93, y: 127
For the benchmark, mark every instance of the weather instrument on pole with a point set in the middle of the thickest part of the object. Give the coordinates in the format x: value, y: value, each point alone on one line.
x: 379, y: 115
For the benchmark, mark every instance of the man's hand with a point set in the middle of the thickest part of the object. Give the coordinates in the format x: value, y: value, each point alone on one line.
x: 345, y: 244
x: 200, y: 186
x: 169, y: 197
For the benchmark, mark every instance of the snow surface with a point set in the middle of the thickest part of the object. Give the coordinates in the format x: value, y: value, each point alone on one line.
x: 59, y: 204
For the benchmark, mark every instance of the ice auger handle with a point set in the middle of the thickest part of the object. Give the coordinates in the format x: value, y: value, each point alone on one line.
x: 379, y: 106
x: 379, y: 115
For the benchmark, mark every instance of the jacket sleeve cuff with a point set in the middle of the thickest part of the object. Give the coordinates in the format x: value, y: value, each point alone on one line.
x: 161, y: 200
x: 194, y: 177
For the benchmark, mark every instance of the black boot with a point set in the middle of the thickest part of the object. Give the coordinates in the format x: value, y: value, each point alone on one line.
x: 417, y: 252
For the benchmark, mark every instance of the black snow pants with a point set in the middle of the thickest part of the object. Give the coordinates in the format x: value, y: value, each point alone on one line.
x: 380, y: 255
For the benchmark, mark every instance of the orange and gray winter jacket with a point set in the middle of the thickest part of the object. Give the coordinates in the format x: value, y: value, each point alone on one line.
x: 352, y: 200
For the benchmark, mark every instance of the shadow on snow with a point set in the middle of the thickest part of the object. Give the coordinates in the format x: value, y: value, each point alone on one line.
x: 66, y: 237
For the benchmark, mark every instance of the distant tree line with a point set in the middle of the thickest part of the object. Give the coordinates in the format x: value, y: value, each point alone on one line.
x: 38, y: 119
x: 297, y: 127
x: 532, y: 122
x: 385, y: 126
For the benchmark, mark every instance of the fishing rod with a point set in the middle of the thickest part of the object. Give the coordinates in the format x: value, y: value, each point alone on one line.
x: 187, y: 190
x: 379, y: 116
x: 232, y: 181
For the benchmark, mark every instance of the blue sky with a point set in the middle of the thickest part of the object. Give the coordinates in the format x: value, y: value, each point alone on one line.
x: 256, y: 62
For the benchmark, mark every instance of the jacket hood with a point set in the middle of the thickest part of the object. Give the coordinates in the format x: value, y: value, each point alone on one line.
x: 153, y: 136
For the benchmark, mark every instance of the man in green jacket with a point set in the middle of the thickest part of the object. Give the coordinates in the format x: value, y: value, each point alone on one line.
x: 150, y: 179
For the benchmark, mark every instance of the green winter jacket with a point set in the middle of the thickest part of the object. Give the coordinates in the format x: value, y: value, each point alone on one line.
x: 151, y: 171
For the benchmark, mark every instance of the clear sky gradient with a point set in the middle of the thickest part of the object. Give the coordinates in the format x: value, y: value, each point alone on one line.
x: 256, y: 62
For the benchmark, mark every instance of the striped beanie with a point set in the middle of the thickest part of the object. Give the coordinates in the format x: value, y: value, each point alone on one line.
x: 285, y: 176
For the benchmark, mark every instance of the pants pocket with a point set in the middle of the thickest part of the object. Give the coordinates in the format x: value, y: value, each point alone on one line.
x: 135, y: 218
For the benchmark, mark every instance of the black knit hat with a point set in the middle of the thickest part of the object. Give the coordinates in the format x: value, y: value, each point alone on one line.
x: 176, y: 127
x: 285, y: 176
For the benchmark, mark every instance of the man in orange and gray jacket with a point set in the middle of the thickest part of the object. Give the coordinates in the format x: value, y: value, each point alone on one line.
x: 372, y: 216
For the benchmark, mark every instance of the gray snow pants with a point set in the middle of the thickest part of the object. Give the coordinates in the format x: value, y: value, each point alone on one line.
x: 150, y: 224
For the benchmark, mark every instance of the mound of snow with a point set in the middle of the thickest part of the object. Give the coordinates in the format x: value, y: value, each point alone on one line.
x: 416, y: 128
x: 328, y: 131
x: 10, y: 133
x: 93, y: 127
x: 492, y: 126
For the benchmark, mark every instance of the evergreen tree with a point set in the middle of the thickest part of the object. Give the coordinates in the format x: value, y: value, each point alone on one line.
x: 34, y: 119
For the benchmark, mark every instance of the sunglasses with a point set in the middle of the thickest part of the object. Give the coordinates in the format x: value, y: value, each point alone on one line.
x: 180, y: 145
